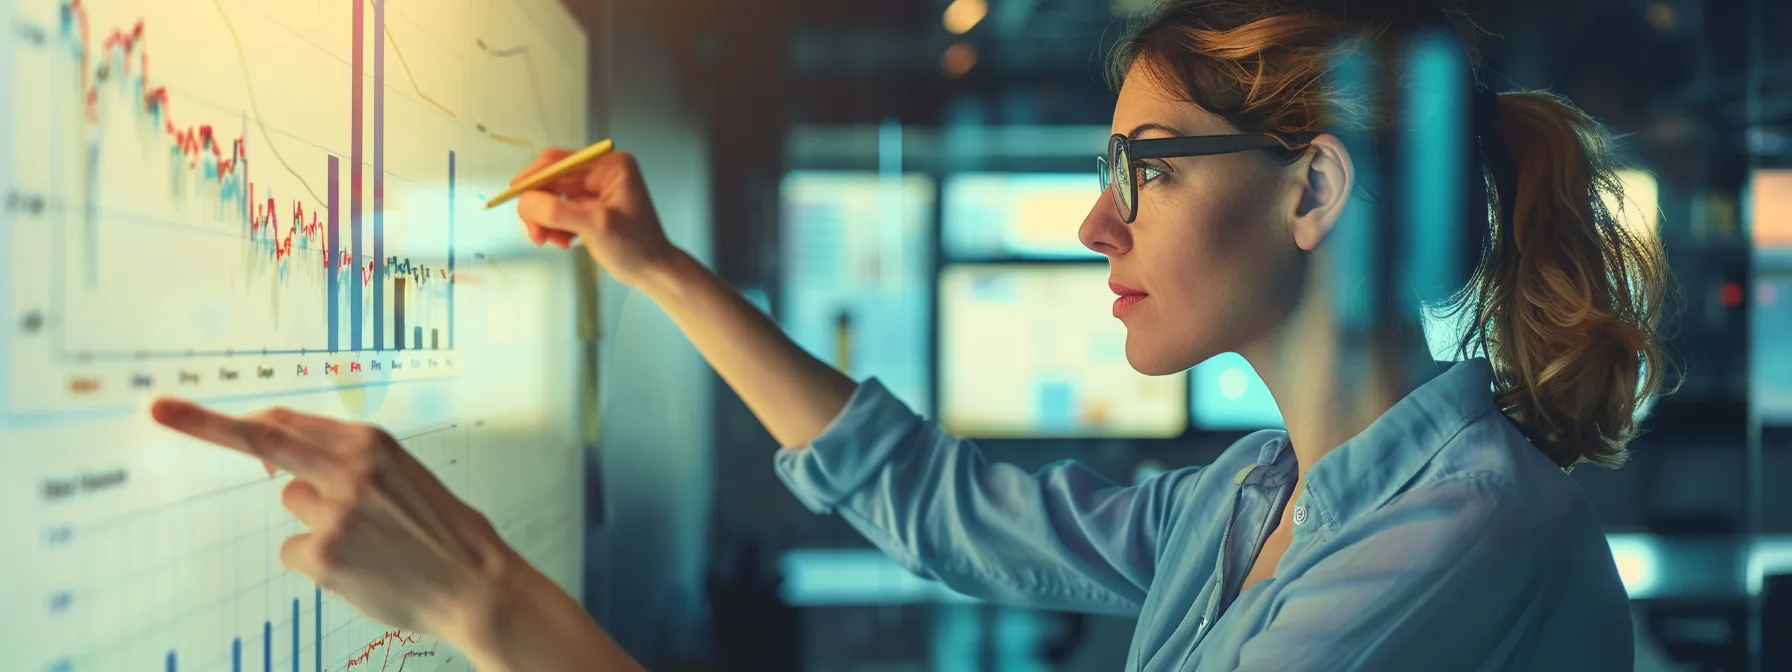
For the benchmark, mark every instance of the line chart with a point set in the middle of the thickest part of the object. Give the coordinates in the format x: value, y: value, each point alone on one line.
x: 171, y: 224
x: 213, y: 200
x: 208, y: 157
x: 535, y: 91
x: 249, y: 88
x: 406, y: 65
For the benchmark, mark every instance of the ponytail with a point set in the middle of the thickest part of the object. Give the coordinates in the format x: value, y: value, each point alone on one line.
x: 1566, y: 302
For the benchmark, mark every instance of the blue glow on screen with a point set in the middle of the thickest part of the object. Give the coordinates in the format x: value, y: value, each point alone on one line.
x: 856, y: 244
x: 1229, y: 395
x: 1017, y: 215
x: 1771, y: 361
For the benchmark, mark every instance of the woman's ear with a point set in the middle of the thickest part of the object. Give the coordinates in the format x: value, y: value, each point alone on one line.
x: 1326, y: 179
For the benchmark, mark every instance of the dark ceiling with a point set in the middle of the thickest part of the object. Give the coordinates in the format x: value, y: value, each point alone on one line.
x: 1672, y: 75
x: 1633, y: 62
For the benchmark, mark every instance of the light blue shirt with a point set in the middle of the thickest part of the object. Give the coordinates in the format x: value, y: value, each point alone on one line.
x: 1437, y: 539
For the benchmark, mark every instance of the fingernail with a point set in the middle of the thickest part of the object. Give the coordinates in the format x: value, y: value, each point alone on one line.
x: 168, y: 411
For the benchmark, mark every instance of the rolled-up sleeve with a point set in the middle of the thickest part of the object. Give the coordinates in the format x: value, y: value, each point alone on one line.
x: 1449, y: 577
x: 1062, y: 538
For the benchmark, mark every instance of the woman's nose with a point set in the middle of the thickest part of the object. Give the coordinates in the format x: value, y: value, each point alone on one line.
x: 1102, y: 230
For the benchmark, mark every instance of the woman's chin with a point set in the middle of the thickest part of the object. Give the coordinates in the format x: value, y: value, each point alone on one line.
x: 1154, y: 361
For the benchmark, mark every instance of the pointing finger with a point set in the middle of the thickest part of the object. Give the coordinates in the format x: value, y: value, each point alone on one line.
x: 271, y: 442
x: 304, y: 422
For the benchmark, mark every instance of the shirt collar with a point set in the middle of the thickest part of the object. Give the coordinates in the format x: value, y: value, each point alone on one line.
x: 1377, y: 463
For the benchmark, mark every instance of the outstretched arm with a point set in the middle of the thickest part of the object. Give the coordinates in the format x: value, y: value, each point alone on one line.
x: 386, y: 536
x: 607, y: 207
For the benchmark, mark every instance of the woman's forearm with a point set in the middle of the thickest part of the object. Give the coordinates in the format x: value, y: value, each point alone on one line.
x: 794, y: 394
x: 527, y: 623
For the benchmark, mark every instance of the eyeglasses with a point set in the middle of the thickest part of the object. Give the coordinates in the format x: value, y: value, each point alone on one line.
x: 1119, y: 169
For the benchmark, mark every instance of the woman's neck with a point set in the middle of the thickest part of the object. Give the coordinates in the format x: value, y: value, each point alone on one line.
x: 1329, y: 385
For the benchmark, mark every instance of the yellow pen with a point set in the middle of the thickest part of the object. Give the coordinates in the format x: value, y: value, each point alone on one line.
x: 572, y: 162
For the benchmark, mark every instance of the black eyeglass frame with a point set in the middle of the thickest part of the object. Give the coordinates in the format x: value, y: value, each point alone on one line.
x: 1127, y: 152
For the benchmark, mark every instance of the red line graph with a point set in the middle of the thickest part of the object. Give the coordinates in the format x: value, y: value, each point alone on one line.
x: 390, y: 640
x: 262, y: 218
x: 196, y: 141
x: 191, y: 140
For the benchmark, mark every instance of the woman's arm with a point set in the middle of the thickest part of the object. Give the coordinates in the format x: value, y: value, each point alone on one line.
x: 1063, y: 537
x: 794, y: 394
x: 523, y: 622
x: 390, y: 539
x: 607, y: 207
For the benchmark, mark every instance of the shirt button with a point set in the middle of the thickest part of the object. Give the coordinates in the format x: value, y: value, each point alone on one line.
x: 1300, y: 515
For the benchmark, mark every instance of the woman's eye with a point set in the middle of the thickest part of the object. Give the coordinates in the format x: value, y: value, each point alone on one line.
x: 1148, y: 172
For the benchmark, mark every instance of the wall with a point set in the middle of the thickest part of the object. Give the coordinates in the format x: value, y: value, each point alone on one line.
x: 656, y: 394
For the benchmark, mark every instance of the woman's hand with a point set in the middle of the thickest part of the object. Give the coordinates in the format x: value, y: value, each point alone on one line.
x: 384, y: 533
x: 389, y: 538
x: 604, y: 204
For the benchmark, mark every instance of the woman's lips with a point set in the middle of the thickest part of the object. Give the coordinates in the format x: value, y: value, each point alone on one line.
x: 1129, y: 298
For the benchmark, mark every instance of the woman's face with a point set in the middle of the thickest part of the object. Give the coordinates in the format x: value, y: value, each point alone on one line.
x: 1212, y: 248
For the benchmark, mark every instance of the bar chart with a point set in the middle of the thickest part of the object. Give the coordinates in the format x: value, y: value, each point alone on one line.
x: 244, y: 195
x: 131, y: 590
x: 263, y: 202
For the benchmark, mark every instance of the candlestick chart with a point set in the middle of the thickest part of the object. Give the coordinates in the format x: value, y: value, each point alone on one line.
x: 253, y: 203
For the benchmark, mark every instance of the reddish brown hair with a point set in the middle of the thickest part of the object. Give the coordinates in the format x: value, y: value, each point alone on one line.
x: 1566, y: 301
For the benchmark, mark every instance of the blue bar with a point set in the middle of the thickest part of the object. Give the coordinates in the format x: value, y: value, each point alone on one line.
x: 236, y: 655
x: 267, y: 646
x: 1436, y: 147
x: 295, y: 634
x: 397, y: 312
x: 333, y: 248
x: 355, y: 169
x: 171, y: 665
x: 450, y: 250
x: 317, y: 631
x: 1355, y: 238
x: 417, y: 338
x: 379, y: 175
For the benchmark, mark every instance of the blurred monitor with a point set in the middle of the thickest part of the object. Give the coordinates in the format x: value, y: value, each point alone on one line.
x: 1017, y: 215
x: 858, y: 258
x: 1229, y: 395
x: 1031, y: 350
x: 1641, y: 210
x: 1771, y: 361
x: 1770, y: 209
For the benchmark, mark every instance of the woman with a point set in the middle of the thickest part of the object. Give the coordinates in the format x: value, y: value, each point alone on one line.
x: 1405, y: 520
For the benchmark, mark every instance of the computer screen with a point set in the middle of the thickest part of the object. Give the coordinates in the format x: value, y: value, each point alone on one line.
x: 1770, y: 210
x: 1229, y: 395
x: 858, y: 257
x: 1017, y: 215
x: 256, y: 203
x: 1032, y: 350
x: 1770, y: 363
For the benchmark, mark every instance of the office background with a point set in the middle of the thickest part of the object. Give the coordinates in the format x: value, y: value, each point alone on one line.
x: 899, y: 182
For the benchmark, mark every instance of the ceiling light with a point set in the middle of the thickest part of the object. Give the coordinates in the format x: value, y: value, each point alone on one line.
x: 963, y: 15
x: 958, y: 59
